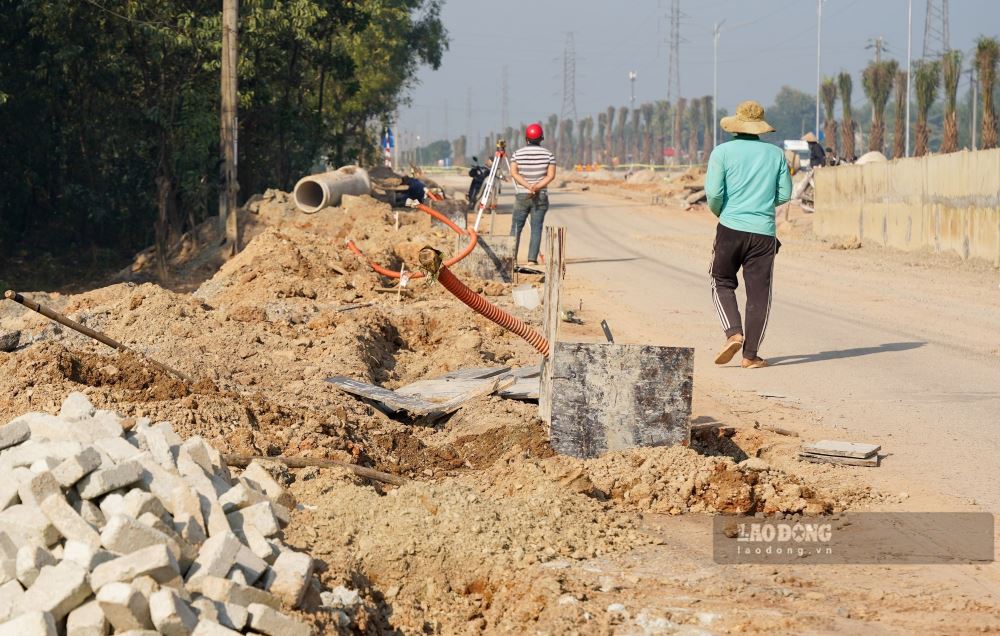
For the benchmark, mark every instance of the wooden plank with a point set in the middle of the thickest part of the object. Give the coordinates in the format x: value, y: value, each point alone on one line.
x: 608, y: 397
x: 475, y: 373
x: 523, y: 389
x: 555, y: 237
x: 385, y: 397
x: 841, y: 449
x: 442, y: 389
x: 846, y: 461
x: 532, y: 371
x: 448, y: 396
x: 492, y: 259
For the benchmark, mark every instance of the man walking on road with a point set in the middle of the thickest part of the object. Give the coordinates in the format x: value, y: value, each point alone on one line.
x: 533, y: 168
x: 746, y: 180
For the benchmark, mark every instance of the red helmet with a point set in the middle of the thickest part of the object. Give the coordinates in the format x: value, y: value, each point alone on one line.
x: 533, y: 132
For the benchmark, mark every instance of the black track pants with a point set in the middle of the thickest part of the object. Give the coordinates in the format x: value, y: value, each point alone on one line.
x: 755, y: 254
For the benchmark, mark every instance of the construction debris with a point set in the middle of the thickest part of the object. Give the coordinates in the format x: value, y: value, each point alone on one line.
x: 129, y: 530
x: 847, y: 453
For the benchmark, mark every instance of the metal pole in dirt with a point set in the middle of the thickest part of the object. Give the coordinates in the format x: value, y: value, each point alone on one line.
x: 715, y: 84
x: 909, y: 78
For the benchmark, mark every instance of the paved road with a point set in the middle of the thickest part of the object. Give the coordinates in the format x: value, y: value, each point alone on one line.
x: 879, y: 345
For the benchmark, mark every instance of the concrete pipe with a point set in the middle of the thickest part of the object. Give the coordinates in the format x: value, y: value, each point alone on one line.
x: 318, y: 191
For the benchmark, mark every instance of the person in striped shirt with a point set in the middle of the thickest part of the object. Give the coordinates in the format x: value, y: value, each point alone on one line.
x: 533, y: 168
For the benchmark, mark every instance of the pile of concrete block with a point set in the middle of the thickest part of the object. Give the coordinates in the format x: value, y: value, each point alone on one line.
x: 106, y: 531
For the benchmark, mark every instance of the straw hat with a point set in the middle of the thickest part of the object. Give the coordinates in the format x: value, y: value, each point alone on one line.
x: 749, y: 119
x: 809, y: 137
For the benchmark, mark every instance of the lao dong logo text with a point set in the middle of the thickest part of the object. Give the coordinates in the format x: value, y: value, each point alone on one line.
x: 784, y: 538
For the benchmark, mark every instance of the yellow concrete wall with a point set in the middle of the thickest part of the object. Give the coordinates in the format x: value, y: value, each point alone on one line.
x: 949, y: 203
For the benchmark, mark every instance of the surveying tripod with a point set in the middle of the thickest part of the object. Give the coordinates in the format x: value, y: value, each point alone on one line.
x: 491, y: 187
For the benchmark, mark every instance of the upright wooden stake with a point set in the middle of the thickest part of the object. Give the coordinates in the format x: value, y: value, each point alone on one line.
x: 228, y: 139
x: 555, y: 250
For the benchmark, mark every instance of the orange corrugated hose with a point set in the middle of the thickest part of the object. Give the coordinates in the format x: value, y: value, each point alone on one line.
x: 473, y: 239
x: 430, y: 260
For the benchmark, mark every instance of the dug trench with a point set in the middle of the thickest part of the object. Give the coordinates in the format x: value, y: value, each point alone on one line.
x: 492, y: 528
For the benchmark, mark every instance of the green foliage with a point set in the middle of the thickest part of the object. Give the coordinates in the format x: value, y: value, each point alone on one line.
x: 792, y: 114
x: 105, y: 99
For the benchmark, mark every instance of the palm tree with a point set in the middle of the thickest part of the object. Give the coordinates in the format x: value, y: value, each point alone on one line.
x: 706, y: 111
x: 876, y: 80
x: 647, y: 137
x: 926, y: 80
x: 602, y: 127
x: 828, y: 91
x: 566, y: 142
x: 662, y: 126
x: 553, y: 128
x: 694, y: 122
x: 987, y: 53
x: 899, y: 132
x: 635, y: 131
x: 951, y: 69
x: 847, y: 125
x: 675, y: 136
x: 609, y: 147
x: 622, y: 149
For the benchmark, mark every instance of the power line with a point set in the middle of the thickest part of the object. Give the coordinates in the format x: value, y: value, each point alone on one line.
x: 568, y: 110
x: 936, y: 29
x: 674, y: 63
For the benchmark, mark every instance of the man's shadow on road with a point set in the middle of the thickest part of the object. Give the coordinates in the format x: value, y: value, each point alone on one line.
x: 843, y: 353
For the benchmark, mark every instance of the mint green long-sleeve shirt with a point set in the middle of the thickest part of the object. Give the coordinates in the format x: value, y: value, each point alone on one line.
x: 747, y: 179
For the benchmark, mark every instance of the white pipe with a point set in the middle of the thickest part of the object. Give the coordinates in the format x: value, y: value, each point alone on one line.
x: 318, y: 191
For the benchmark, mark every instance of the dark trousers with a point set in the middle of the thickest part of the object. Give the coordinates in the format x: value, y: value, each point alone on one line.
x: 536, y: 207
x: 754, y: 253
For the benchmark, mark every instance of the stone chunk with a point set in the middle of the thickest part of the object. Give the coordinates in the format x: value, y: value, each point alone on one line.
x: 31, y: 451
x: 67, y: 521
x: 33, y: 623
x: 86, y: 556
x: 117, y: 448
x: 139, y: 502
x: 171, y: 615
x: 14, y: 433
x: 162, y: 443
x: 261, y: 516
x: 9, y: 340
x: 267, y: 620
x: 125, y: 535
x: 251, y: 565
x: 40, y: 486
x: 124, y: 607
x: 87, y: 620
x: 188, y: 518
x: 216, y: 557
x: 27, y: 524
x: 57, y: 590
x: 11, y: 484
x: 226, y: 591
x: 226, y: 614
x: 208, y: 628
x: 11, y: 593
x: 158, y: 480
x: 89, y: 511
x: 104, y: 481
x: 76, y: 407
x: 184, y: 552
x: 288, y: 578
x: 155, y: 561
x: 260, y: 546
x: 240, y: 496
x: 30, y: 561
x: 259, y: 478
x: 113, y: 504
x: 73, y: 469
x: 43, y: 465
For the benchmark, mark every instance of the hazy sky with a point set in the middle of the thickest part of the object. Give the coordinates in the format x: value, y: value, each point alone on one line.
x: 764, y: 44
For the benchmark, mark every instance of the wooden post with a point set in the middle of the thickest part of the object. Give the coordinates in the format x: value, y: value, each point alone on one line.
x: 228, y: 138
x: 555, y: 250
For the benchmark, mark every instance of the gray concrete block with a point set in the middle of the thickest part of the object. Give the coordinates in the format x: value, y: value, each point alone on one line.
x: 34, y: 623
x: 43, y: 465
x: 31, y: 451
x: 124, y: 607
x: 27, y: 524
x: 10, y: 599
x: 209, y: 628
x: 30, y: 561
x: 67, y: 521
x: 125, y: 535
x: 45, y: 427
x: 240, y: 496
x: 267, y: 620
x: 162, y: 444
x: 139, y: 502
x: 155, y: 561
x: 57, y: 590
x: 216, y: 557
x: 261, y: 516
x: 11, y: 484
x: 288, y: 577
x: 104, y: 481
x: 188, y: 518
x: 252, y: 566
x: 226, y: 591
x: 259, y: 478
x: 112, y: 504
x: 76, y: 407
x: 184, y: 552
x: 85, y: 555
x: 14, y: 433
x: 117, y: 448
x: 253, y: 539
x: 88, y: 510
x: 195, y: 450
x: 226, y: 614
x: 158, y: 480
x: 71, y: 470
x: 87, y: 620
x: 171, y: 615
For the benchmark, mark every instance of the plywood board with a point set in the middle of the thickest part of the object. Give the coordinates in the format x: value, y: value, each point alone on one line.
x: 607, y: 397
x: 846, y: 461
x: 841, y: 449
x: 492, y: 259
